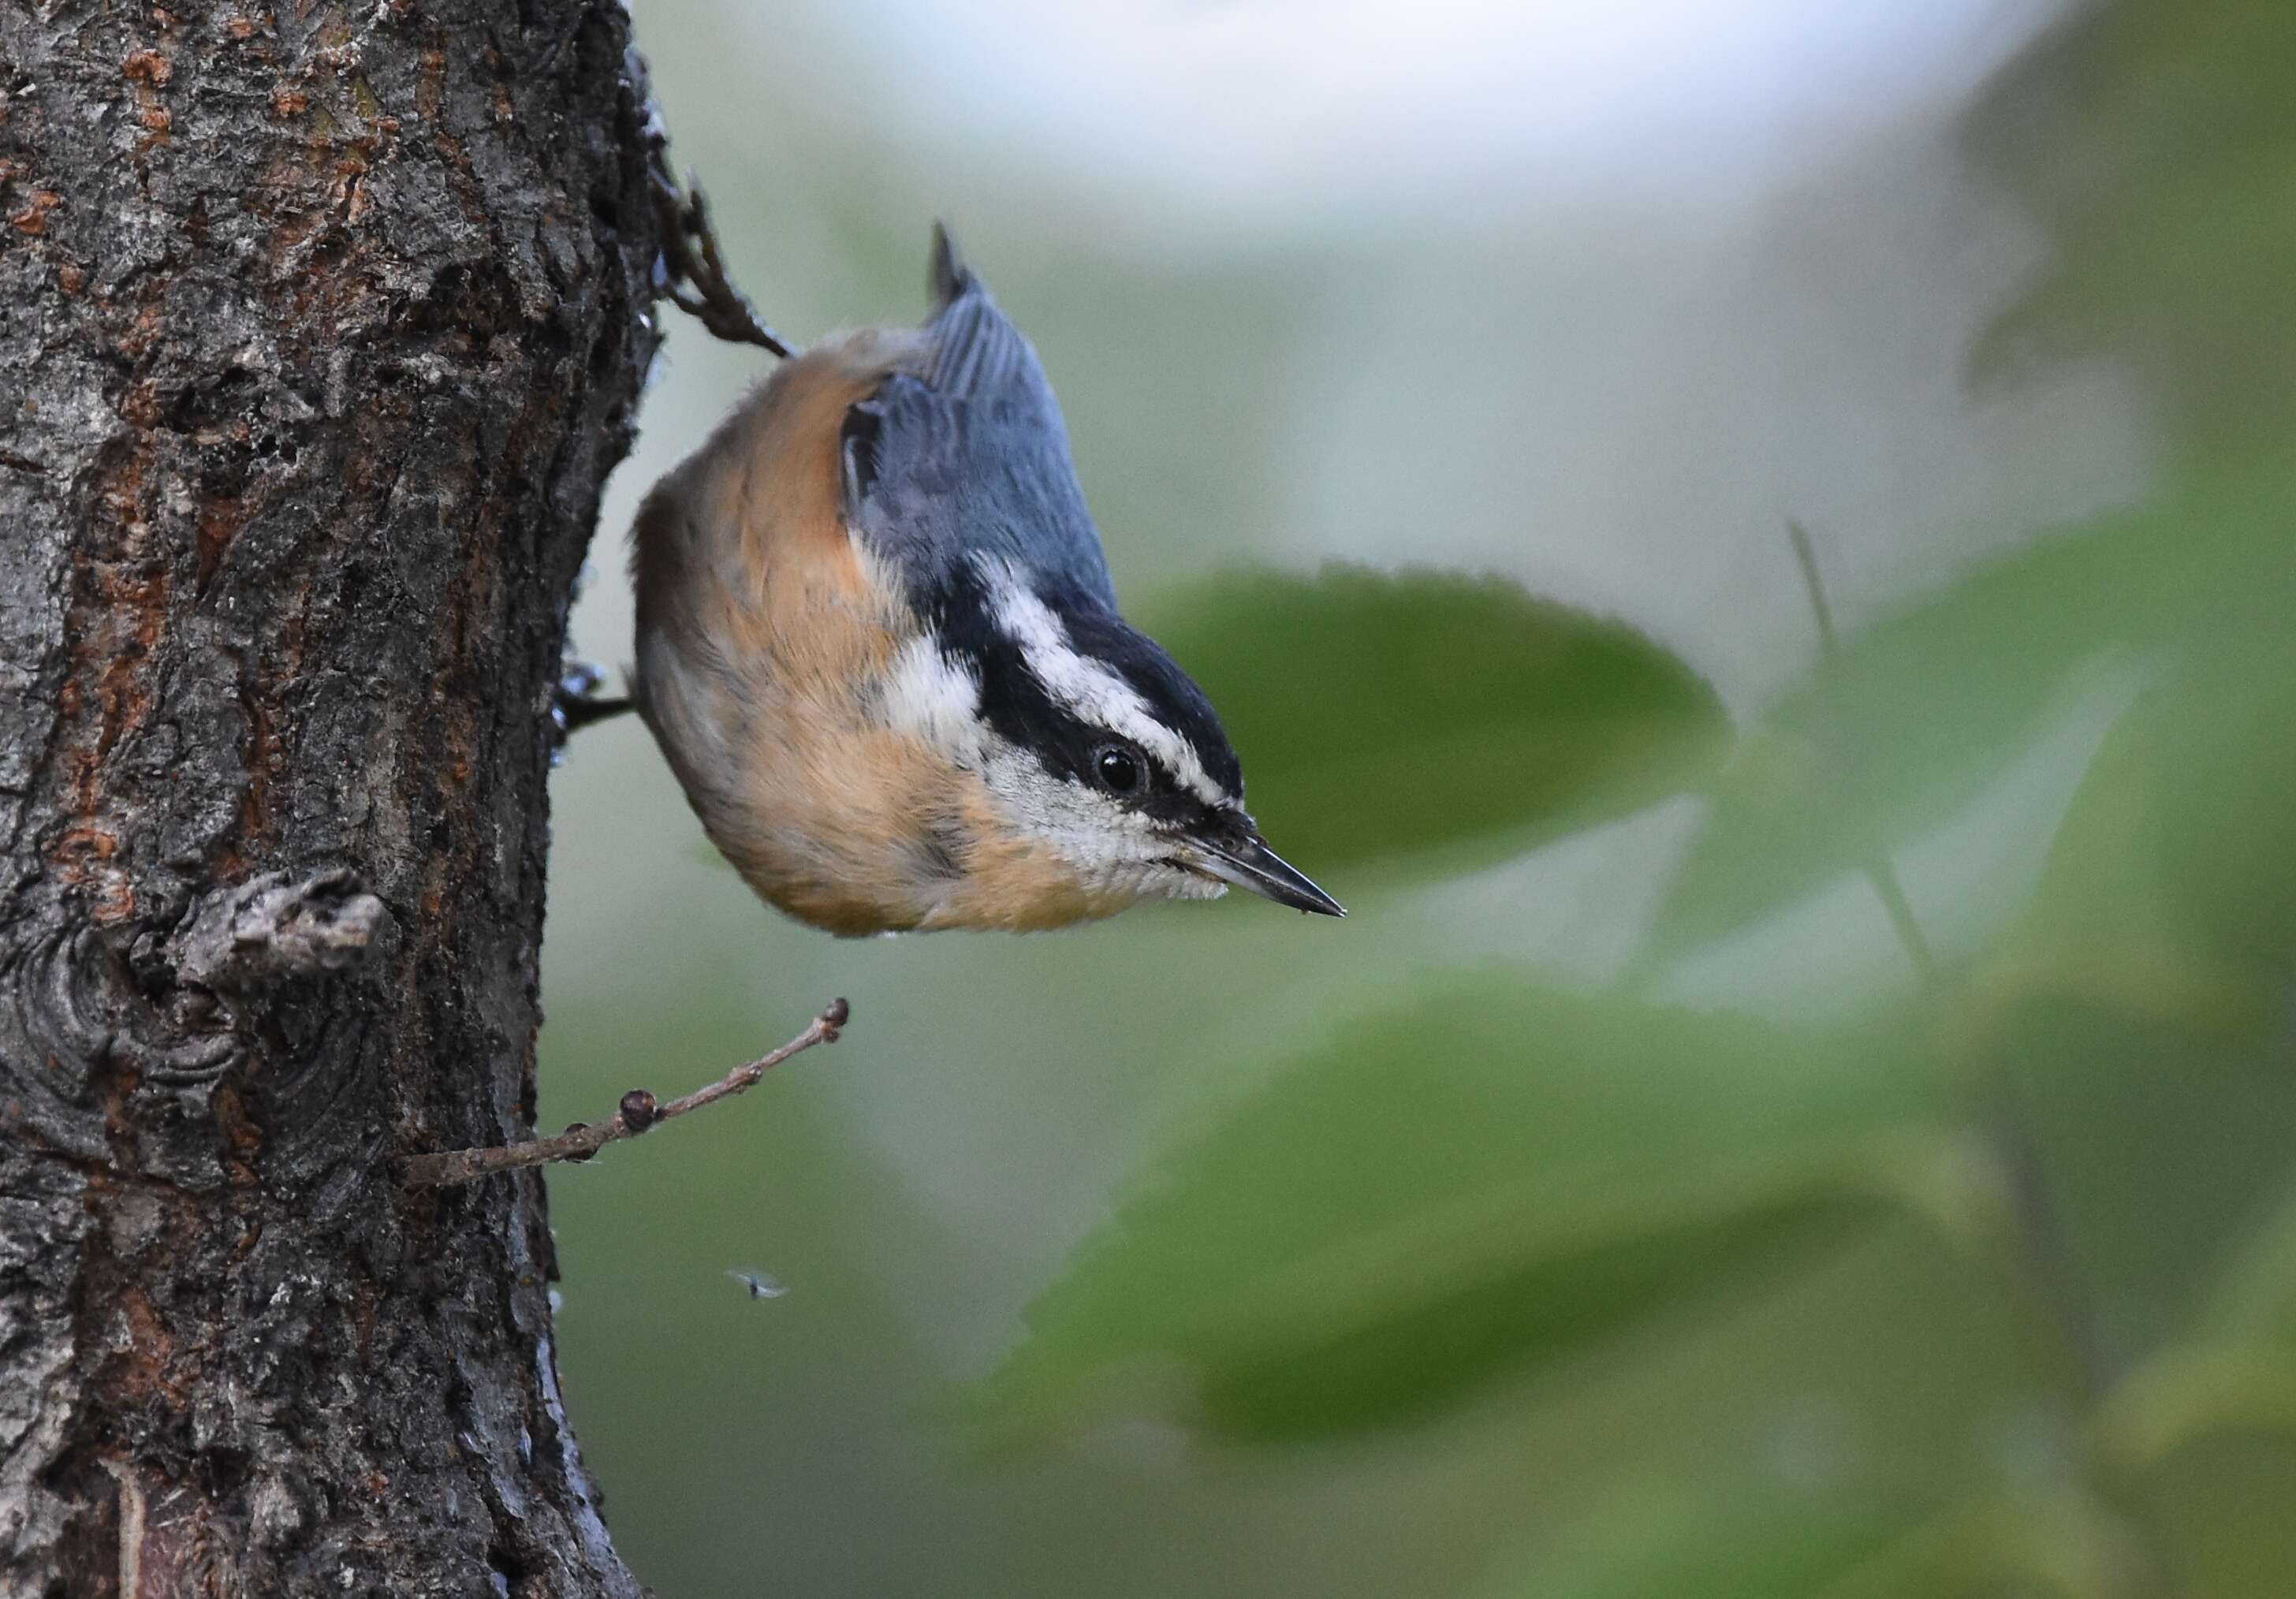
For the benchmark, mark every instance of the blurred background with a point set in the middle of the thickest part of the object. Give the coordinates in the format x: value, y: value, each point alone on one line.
x: 1778, y: 1120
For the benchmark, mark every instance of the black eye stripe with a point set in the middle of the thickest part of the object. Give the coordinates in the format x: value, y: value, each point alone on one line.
x: 1171, y: 695
x: 1023, y: 710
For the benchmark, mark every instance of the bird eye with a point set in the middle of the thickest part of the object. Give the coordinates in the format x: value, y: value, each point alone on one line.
x: 1119, y: 769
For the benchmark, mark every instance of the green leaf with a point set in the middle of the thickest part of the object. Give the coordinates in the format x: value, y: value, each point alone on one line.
x: 2064, y: 1544
x: 2152, y: 146
x: 1919, y: 711
x: 1924, y: 707
x: 1735, y: 1536
x: 2192, y: 1391
x: 1382, y: 714
x: 2170, y: 891
x: 1742, y: 1538
x: 2255, y: 1294
x: 1468, y: 1187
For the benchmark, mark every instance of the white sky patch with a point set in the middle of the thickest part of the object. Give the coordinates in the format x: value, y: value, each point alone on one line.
x: 1269, y: 108
x: 1091, y: 690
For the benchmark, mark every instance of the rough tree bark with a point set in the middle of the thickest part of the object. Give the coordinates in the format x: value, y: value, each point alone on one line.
x: 320, y: 326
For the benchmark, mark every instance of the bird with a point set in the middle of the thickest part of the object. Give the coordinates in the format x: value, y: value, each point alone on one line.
x: 878, y: 644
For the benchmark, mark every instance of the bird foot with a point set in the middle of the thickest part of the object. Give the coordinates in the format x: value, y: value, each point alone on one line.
x: 690, y: 272
x: 575, y: 704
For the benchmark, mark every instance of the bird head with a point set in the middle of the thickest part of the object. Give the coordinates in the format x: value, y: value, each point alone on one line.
x: 1089, y: 742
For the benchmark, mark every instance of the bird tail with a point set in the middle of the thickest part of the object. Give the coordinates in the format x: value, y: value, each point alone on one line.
x: 949, y: 277
x: 971, y: 347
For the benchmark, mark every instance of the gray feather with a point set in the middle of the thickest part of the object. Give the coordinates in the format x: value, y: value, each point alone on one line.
x: 947, y: 275
x: 969, y: 454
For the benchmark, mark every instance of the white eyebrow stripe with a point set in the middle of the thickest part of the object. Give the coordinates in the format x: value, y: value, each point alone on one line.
x: 1095, y: 693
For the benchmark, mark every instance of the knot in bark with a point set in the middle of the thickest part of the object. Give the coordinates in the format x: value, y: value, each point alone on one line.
x: 277, y: 926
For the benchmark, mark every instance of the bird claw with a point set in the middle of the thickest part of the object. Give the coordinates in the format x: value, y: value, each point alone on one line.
x: 575, y: 704
x: 690, y: 272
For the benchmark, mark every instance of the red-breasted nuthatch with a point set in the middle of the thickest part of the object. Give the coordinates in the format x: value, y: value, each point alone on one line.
x: 878, y: 641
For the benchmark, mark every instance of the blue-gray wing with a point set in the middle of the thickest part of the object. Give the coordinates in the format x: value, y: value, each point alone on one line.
x: 967, y: 455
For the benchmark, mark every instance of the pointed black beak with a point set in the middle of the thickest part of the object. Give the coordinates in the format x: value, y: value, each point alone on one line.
x: 1253, y: 865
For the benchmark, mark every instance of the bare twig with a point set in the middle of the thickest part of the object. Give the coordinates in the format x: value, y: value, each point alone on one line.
x: 638, y: 1112
x: 1879, y: 870
x: 691, y: 273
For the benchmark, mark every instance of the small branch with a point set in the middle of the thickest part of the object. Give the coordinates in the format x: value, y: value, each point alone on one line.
x: 638, y: 1113
x: 691, y: 273
x: 1879, y: 870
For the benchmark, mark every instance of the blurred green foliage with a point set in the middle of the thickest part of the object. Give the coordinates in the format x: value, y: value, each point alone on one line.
x: 1448, y: 1266
x: 1932, y: 702
x: 2154, y: 145
x: 1721, y: 1538
x: 1486, y: 1180
x: 1478, y: 1181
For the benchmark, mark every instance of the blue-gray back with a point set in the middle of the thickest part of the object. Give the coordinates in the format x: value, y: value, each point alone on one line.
x: 968, y: 455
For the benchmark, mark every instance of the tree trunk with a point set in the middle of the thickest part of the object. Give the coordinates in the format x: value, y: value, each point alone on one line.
x: 320, y: 328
